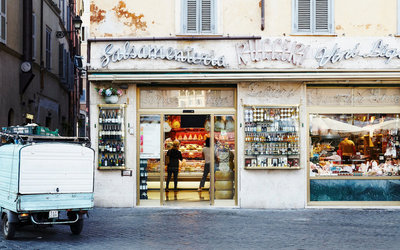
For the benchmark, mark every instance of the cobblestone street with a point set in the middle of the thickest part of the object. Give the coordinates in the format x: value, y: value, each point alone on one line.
x: 166, y: 228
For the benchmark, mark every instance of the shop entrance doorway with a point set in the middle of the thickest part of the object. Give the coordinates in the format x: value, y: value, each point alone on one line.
x: 200, y: 149
x: 187, y: 178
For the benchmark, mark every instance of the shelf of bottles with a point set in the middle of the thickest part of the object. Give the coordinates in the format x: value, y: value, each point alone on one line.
x: 143, y: 179
x: 272, y: 137
x: 111, y: 137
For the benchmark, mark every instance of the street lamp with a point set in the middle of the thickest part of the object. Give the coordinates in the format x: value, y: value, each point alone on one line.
x: 77, y: 22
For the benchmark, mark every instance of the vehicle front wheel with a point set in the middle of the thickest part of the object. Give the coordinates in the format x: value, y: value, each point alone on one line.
x: 8, y: 228
x: 76, y: 228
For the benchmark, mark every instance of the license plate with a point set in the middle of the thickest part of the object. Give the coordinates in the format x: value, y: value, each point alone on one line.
x: 53, y: 214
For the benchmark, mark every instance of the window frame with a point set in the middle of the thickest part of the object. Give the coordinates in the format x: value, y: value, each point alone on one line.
x: 213, y: 21
x: 3, y: 14
x: 61, y: 4
x: 48, y: 48
x: 313, y: 31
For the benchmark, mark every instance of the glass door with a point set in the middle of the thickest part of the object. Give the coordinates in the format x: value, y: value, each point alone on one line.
x: 224, y: 160
x: 187, y: 157
x: 149, y: 158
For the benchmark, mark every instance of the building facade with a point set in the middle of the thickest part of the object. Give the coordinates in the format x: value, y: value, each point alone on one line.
x: 39, y: 79
x: 300, y: 112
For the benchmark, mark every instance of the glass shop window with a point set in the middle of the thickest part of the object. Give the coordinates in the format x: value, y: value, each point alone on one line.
x: 354, y: 145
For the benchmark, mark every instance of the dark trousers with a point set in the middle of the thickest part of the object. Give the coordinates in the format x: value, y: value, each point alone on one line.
x: 170, y: 172
x: 205, y: 173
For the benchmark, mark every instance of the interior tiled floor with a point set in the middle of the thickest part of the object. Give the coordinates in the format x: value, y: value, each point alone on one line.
x: 183, y: 197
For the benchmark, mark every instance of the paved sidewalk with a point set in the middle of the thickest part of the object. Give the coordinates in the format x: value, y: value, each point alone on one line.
x: 169, y: 228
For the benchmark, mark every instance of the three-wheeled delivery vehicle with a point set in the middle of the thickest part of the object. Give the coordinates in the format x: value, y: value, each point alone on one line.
x: 45, y: 181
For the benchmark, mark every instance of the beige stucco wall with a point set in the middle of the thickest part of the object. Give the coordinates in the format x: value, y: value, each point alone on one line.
x: 112, y: 189
x: 271, y: 188
x: 116, y: 18
x: 14, y: 29
x: 366, y: 17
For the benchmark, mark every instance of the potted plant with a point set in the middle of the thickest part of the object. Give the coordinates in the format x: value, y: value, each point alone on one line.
x: 110, y: 95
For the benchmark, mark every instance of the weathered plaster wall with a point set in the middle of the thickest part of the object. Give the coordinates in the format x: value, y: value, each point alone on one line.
x: 122, y: 18
x: 366, y: 17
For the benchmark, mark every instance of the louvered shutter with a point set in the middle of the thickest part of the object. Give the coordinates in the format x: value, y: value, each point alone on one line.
x: 61, y: 61
x: 67, y: 69
x: 206, y: 16
x: 3, y: 20
x: 304, y: 15
x: 322, y: 15
x: 198, y: 16
x: 192, y: 16
x: 65, y: 63
x: 71, y: 76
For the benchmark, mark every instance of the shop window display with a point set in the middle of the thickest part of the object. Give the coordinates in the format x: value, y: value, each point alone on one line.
x: 354, y: 145
x: 271, y: 137
x: 111, y: 149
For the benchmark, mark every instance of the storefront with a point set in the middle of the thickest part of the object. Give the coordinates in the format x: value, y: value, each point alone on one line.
x: 264, y: 104
x: 188, y: 116
x: 354, y: 146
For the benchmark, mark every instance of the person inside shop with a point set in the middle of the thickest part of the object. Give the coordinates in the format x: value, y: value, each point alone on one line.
x: 348, y: 149
x: 172, y: 160
x: 206, y: 156
x: 170, y: 140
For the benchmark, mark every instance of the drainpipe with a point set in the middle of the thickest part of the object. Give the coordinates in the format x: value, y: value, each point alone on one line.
x: 262, y: 14
x: 41, y: 47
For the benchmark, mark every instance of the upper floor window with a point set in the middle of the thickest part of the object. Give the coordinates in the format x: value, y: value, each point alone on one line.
x: 62, y: 6
x: 33, y: 36
x: 48, y: 48
x: 313, y: 16
x: 199, y: 16
x: 3, y: 20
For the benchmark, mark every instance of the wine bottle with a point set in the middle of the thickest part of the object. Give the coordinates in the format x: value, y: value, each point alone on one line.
x: 100, y: 117
x: 114, y: 117
x: 122, y: 160
x: 119, y: 116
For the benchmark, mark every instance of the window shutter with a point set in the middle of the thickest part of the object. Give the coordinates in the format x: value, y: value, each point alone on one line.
x: 192, y: 16
x: 71, y: 76
x: 3, y: 20
x: 322, y: 15
x: 61, y: 60
x: 206, y: 16
x: 304, y: 15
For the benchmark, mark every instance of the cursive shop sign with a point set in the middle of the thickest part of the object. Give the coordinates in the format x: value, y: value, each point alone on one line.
x: 283, y: 50
x: 189, y: 55
x: 337, y: 54
x: 256, y: 51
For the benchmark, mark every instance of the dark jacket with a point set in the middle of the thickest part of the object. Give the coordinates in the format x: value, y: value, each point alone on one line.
x: 174, y: 156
